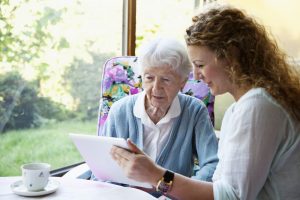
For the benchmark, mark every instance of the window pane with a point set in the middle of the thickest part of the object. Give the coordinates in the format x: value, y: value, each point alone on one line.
x: 171, y: 18
x: 280, y: 17
x: 166, y: 18
x: 51, y: 57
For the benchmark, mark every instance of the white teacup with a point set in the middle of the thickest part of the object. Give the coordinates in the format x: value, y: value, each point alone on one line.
x: 35, y: 175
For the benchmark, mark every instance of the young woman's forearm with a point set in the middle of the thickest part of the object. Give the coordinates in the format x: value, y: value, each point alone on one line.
x: 186, y: 188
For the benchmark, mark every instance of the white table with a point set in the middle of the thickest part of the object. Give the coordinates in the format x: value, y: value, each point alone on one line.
x: 77, y: 189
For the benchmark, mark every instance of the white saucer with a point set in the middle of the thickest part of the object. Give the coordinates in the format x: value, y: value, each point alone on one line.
x: 19, y: 189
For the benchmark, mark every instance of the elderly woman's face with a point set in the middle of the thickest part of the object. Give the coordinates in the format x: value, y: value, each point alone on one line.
x: 161, y: 85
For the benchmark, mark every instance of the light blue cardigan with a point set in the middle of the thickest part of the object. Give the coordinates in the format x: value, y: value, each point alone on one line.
x: 191, y: 136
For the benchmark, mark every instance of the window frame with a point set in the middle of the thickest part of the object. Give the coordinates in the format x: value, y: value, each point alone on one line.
x: 129, y: 27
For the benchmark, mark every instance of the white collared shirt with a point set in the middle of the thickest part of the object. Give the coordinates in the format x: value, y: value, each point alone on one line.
x: 258, y: 151
x: 155, y: 135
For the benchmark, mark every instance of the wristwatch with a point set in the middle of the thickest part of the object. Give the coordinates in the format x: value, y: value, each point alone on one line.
x: 165, y: 183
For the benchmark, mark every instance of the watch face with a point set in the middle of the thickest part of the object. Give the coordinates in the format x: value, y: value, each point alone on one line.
x: 168, y: 176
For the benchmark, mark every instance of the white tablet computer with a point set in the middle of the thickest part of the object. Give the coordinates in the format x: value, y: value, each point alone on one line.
x: 95, y: 150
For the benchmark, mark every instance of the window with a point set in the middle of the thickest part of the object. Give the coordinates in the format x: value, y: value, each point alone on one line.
x: 51, y: 57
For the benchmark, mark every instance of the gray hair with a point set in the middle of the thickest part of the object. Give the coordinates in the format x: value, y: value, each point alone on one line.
x: 165, y: 51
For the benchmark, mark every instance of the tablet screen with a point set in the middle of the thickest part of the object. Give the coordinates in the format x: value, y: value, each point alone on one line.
x: 95, y: 150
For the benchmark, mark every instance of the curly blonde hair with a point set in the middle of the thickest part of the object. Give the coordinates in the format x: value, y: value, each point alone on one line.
x: 257, y: 61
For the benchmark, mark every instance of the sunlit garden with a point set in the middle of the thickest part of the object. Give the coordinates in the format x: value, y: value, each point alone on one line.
x: 51, y: 58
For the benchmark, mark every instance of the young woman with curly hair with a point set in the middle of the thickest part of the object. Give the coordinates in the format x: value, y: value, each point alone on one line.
x: 259, y: 146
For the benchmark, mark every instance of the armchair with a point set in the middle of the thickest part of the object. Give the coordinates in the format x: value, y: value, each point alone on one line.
x: 121, y: 78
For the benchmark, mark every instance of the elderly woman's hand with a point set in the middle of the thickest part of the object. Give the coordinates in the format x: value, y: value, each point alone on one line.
x: 136, y: 164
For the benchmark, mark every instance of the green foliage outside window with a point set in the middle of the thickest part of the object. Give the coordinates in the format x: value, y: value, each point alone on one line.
x: 21, y: 107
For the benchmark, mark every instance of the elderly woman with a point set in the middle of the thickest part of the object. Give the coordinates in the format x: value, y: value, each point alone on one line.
x: 260, y: 135
x: 170, y: 127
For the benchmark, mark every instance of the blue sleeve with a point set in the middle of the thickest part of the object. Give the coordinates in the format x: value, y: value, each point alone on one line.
x: 206, y: 144
x: 109, y: 128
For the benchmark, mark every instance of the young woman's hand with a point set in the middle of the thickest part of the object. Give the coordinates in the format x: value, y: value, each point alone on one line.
x: 136, y: 164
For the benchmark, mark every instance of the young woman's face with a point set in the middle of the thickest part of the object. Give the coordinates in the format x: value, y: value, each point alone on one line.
x: 161, y: 85
x: 208, y: 68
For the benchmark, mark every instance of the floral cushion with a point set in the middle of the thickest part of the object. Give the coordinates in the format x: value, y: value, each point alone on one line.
x: 201, y: 91
x: 120, y: 78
